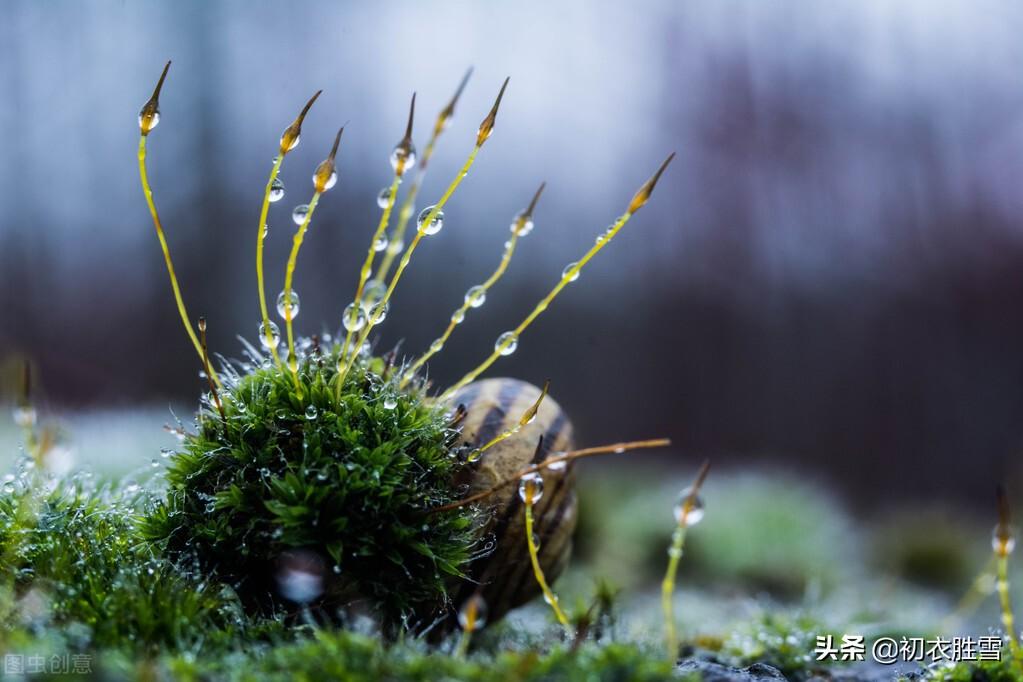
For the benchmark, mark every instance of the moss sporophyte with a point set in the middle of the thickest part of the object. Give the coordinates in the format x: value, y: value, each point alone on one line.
x: 325, y: 478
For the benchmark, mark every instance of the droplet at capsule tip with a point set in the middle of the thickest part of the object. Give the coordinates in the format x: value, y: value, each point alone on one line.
x: 149, y: 116
x: 325, y: 176
x: 291, y: 135
x: 487, y: 126
x: 643, y: 194
x: 403, y: 158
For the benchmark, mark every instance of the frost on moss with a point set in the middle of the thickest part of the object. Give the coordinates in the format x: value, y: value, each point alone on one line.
x: 335, y: 490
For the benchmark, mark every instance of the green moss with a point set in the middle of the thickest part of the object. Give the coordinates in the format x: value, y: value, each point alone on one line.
x: 346, y: 484
x: 73, y: 559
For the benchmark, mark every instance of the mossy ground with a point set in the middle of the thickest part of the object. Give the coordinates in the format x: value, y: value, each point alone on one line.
x: 80, y: 578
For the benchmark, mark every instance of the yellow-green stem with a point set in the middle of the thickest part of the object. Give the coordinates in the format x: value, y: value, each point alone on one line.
x: 403, y: 263
x: 568, y: 276
x: 404, y: 213
x: 367, y: 265
x: 981, y: 587
x: 459, y: 314
x: 534, y: 557
x: 668, y: 590
x: 1008, y: 620
x: 289, y: 275
x: 148, y: 192
x: 260, y: 236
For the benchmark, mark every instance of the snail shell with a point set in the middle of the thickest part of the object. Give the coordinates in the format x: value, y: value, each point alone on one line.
x: 504, y: 576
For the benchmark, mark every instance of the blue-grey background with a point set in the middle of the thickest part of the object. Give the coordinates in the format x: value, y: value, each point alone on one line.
x: 830, y: 274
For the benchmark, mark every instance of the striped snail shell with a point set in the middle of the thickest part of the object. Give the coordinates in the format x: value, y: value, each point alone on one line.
x: 504, y: 577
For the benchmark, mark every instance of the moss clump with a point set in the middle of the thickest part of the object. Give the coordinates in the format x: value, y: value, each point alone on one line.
x: 334, y: 488
x: 72, y: 558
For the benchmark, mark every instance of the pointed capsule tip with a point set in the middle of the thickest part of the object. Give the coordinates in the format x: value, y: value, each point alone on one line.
x: 536, y: 198
x: 644, y: 192
x: 411, y: 116
x: 487, y: 126
x: 337, y: 143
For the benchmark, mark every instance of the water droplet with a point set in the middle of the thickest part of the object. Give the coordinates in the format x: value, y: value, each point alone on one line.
x: 380, y: 244
x: 353, y: 318
x: 522, y: 225
x: 408, y: 153
x: 571, y: 272
x: 536, y: 541
x: 604, y: 236
x: 435, y: 225
x: 154, y: 119
x: 691, y: 516
x: 276, y: 190
x: 292, y: 360
x: 331, y: 181
x: 558, y: 466
x: 266, y: 229
x: 269, y: 336
x: 300, y: 577
x: 288, y: 307
x: 311, y: 412
x: 531, y: 488
x: 299, y: 213
x: 25, y: 417
x: 131, y: 486
x: 337, y: 569
x: 395, y: 247
x: 550, y: 598
x: 1003, y: 540
x: 390, y: 402
x: 166, y: 452
x: 507, y: 343
x: 384, y: 197
x: 154, y: 463
x: 374, y: 291
x: 379, y: 312
x: 476, y: 296
x: 473, y: 613
x: 437, y: 345
x: 458, y: 316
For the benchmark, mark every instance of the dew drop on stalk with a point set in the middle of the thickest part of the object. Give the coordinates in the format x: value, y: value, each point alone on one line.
x: 152, y: 116
x: 473, y: 613
x: 311, y: 412
x: 380, y: 244
x: 403, y: 150
x: 155, y: 463
x: 557, y: 466
x: 458, y: 316
x: 25, y: 417
x: 288, y: 306
x: 373, y: 292
x: 531, y: 488
x: 166, y: 452
x: 299, y: 213
x: 378, y: 313
x: 131, y: 486
x: 694, y: 514
x: 395, y: 247
x: 1003, y: 540
x: 384, y: 197
x: 568, y: 273
x: 435, y: 225
x: 276, y: 190
x: 331, y: 181
x: 353, y: 318
x: 476, y: 296
x: 292, y: 361
x: 437, y: 345
x: 390, y: 402
x: 522, y: 225
x: 507, y: 343
x: 269, y: 336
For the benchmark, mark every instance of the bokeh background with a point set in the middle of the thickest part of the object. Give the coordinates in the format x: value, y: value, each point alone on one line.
x: 828, y: 279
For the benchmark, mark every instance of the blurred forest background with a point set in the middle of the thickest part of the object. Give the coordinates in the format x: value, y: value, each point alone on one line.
x: 829, y: 277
